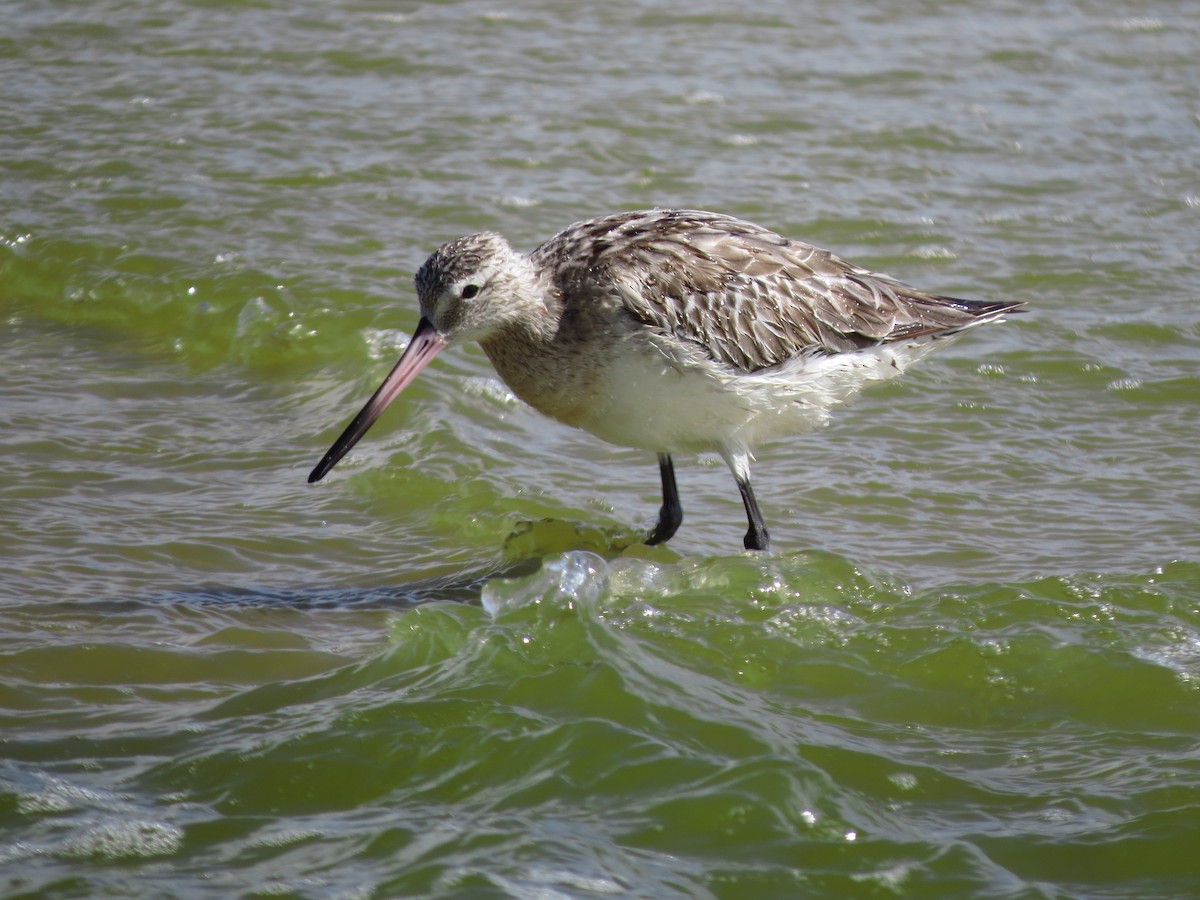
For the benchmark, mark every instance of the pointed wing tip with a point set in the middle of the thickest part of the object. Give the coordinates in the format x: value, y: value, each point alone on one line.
x: 1012, y: 306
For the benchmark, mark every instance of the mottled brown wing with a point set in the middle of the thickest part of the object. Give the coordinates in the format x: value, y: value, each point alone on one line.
x: 751, y: 298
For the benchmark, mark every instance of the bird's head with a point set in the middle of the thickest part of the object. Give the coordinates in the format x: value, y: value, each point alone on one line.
x: 473, y: 287
x: 468, y: 289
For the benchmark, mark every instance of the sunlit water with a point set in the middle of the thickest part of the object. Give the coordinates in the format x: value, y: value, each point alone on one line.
x: 971, y: 665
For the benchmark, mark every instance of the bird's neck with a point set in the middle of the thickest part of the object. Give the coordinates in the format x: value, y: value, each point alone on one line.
x: 537, y: 303
x: 538, y: 361
x: 529, y: 336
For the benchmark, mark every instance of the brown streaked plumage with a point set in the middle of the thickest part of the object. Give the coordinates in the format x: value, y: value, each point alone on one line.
x: 672, y: 330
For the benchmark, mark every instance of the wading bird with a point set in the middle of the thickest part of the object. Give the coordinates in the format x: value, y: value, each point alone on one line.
x: 675, y: 331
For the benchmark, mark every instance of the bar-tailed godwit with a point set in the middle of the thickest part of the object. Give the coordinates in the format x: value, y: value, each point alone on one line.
x: 672, y: 330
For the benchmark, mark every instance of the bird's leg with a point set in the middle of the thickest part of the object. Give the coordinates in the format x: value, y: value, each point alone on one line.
x: 738, y: 461
x: 671, y: 515
x: 757, y: 537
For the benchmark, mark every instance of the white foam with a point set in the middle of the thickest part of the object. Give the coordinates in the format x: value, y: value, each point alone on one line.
x: 125, y: 838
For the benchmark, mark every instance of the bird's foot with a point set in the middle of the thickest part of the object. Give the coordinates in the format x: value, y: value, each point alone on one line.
x: 669, y: 521
x: 757, y: 539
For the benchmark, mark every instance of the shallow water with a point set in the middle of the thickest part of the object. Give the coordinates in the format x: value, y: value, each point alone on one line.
x: 968, y: 668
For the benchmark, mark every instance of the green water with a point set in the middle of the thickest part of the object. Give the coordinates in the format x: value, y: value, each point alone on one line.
x: 970, y: 667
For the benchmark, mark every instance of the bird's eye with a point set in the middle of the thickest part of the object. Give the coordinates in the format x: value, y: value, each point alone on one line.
x: 470, y: 291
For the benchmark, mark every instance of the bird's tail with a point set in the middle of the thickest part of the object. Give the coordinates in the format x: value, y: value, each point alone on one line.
x: 946, y: 316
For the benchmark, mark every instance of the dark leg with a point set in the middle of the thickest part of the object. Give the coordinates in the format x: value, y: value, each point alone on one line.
x: 757, y: 537
x: 671, y: 515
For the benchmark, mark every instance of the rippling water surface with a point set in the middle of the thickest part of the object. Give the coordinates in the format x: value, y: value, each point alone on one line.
x: 971, y: 665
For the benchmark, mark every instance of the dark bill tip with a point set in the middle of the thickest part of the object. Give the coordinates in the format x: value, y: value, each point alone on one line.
x: 426, y: 343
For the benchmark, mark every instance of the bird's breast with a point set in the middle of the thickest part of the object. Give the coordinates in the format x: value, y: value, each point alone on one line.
x: 624, y: 390
x: 561, y: 382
